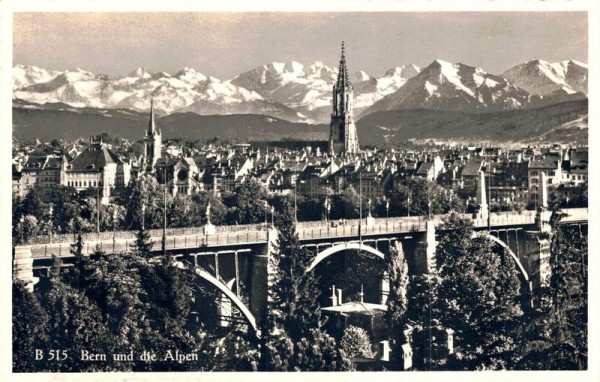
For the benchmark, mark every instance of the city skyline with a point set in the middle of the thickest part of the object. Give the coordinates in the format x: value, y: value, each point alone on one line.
x: 231, y: 43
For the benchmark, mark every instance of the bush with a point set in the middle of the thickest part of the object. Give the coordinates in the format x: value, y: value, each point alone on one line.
x: 356, y: 343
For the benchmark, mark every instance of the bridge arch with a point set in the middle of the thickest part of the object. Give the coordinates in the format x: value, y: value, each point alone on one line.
x: 342, y: 247
x: 226, y: 291
x: 501, y: 243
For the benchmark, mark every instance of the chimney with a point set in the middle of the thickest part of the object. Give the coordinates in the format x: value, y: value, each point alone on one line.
x: 362, y: 294
x: 333, y: 297
x: 384, y: 350
x: 450, y: 340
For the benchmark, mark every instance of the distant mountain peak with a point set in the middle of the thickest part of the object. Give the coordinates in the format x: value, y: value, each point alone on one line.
x: 543, y: 78
x: 140, y: 72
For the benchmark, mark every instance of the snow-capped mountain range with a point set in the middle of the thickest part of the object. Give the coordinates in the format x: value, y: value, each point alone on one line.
x: 302, y: 93
x: 186, y: 90
x: 308, y: 88
x: 545, y: 78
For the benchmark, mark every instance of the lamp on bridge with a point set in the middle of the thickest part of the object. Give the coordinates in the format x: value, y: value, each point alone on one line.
x: 114, y: 224
x: 50, y: 212
x: 21, y: 226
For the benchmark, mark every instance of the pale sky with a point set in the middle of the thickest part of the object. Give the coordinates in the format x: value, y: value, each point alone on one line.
x: 225, y: 44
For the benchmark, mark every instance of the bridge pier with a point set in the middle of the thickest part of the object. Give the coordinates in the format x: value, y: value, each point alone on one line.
x: 260, y: 272
x: 23, y: 266
x: 537, y: 250
x: 424, y: 250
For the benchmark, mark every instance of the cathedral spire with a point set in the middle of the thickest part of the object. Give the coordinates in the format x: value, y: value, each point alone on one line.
x: 343, y: 79
x: 343, y: 137
x: 151, y: 124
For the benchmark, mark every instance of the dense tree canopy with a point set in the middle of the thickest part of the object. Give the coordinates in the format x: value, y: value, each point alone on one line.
x: 479, y: 296
x: 247, y: 204
x: 418, y: 196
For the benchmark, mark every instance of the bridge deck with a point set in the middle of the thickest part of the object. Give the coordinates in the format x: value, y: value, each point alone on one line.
x: 189, y: 238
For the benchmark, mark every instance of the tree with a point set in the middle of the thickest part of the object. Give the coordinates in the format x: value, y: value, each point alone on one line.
x: 178, y: 211
x: 309, y: 208
x: 346, y: 205
x: 71, y: 207
x: 28, y: 328
x: 82, y: 270
x: 278, y: 350
x: 479, y: 295
x: 247, y: 204
x: 119, y: 294
x: 356, y: 343
x: 143, y: 244
x: 296, y: 290
x: 168, y: 295
x: 556, y: 337
x: 74, y: 323
x: 397, y: 301
x: 424, y: 195
x: 32, y: 204
x: 144, y: 191
x: 319, y: 352
x: 274, y: 339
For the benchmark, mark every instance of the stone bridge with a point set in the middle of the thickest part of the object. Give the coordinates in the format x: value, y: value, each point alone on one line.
x: 234, y: 258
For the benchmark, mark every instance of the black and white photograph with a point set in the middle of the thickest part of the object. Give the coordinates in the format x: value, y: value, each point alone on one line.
x: 284, y: 190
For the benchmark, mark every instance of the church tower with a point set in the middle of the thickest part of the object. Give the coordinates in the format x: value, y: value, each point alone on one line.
x: 152, y: 142
x: 343, y: 137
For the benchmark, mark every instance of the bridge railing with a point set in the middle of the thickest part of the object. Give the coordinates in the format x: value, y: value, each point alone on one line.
x: 506, y: 219
x: 125, y: 235
x: 345, y: 230
x: 171, y: 243
x: 306, y: 230
x: 575, y: 214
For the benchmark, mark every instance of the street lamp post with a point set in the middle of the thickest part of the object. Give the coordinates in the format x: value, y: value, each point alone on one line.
x: 50, y: 212
x: 327, y: 209
x: 296, y: 199
x: 98, y: 211
x: 114, y: 224
x: 21, y: 225
x: 360, y: 206
x: 408, y: 206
